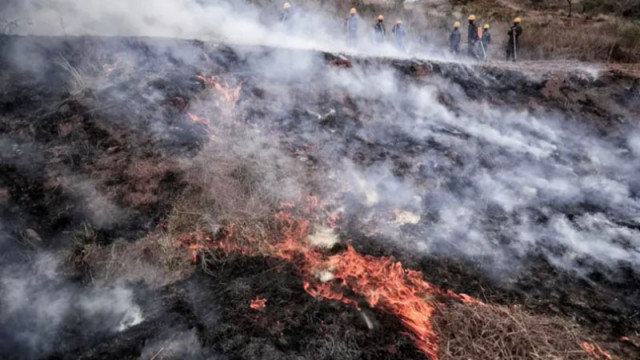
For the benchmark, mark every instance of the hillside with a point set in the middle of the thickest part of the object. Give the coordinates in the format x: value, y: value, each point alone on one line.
x: 204, y: 179
x: 166, y: 199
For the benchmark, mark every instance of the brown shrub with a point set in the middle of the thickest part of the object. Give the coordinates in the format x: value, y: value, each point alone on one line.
x: 155, y: 259
x: 500, y: 333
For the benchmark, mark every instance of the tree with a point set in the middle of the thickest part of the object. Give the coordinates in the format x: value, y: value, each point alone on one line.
x: 570, y: 2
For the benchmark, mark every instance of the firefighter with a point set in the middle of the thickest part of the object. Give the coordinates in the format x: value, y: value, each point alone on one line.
x: 399, y: 34
x: 454, y: 38
x: 352, y: 27
x: 514, y: 39
x: 486, y: 37
x: 472, y: 36
x: 379, y: 30
x: 285, y: 15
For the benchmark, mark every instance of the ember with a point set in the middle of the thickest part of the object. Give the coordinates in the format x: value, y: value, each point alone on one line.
x: 228, y: 94
x: 596, y: 351
x: 258, y: 303
x: 196, y: 118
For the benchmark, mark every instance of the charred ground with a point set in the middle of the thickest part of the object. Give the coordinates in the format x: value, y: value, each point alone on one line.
x: 95, y: 134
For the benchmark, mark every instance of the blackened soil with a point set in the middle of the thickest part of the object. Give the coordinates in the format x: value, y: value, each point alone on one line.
x: 293, y: 325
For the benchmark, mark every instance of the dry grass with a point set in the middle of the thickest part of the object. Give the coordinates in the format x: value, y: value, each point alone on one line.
x: 154, y: 259
x: 583, y: 40
x: 551, y: 34
x: 506, y: 333
x: 235, y: 192
x: 77, y: 84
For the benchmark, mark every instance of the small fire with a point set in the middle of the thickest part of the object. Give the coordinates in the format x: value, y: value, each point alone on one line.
x: 596, y: 351
x: 201, y: 120
x: 195, y: 249
x: 109, y: 68
x: 198, y: 119
x: 381, y: 282
x: 258, y: 303
x: 229, y: 95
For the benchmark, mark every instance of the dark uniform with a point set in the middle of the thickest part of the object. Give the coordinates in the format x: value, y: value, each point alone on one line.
x: 472, y: 38
x: 514, y: 41
x: 380, y: 31
x: 285, y: 15
x: 454, y: 41
x: 486, y: 39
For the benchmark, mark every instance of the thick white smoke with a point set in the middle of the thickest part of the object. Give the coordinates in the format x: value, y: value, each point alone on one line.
x: 36, y: 302
x: 233, y: 21
x: 502, y: 184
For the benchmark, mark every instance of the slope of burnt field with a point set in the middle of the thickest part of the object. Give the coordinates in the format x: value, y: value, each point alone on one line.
x: 512, y: 188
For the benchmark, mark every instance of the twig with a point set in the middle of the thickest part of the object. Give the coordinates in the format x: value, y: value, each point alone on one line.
x: 611, y: 52
x: 158, y: 353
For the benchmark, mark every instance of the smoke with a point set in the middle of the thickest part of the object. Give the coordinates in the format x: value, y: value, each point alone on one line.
x: 177, y: 345
x: 311, y: 26
x: 430, y: 169
x: 442, y: 174
x: 634, y: 144
x: 496, y: 184
x: 38, y: 305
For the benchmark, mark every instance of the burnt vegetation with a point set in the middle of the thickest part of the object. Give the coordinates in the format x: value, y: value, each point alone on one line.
x: 114, y: 149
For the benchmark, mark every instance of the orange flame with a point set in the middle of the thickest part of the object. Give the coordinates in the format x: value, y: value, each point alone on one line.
x: 195, y: 249
x: 382, y: 282
x: 596, y: 351
x: 258, y: 303
x: 196, y: 118
x: 228, y: 94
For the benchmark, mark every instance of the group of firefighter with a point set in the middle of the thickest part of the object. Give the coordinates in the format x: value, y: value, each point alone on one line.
x: 478, y: 38
x: 398, y: 32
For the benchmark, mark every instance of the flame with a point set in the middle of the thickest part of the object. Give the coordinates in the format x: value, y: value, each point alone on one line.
x: 195, y: 242
x: 258, y: 303
x: 206, y: 122
x: 195, y: 249
x: 196, y: 118
x: 381, y: 282
x: 596, y: 351
x: 230, y: 95
x: 109, y: 68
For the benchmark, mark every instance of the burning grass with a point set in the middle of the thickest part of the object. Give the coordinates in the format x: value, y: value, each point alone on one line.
x: 465, y: 328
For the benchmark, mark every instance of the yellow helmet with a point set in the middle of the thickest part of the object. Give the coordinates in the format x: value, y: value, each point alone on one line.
x: 286, y: 5
x: 517, y: 20
x: 472, y: 17
x: 456, y: 24
x: 352, y: 11
x: 380, y: 17
x: 487, y: 26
